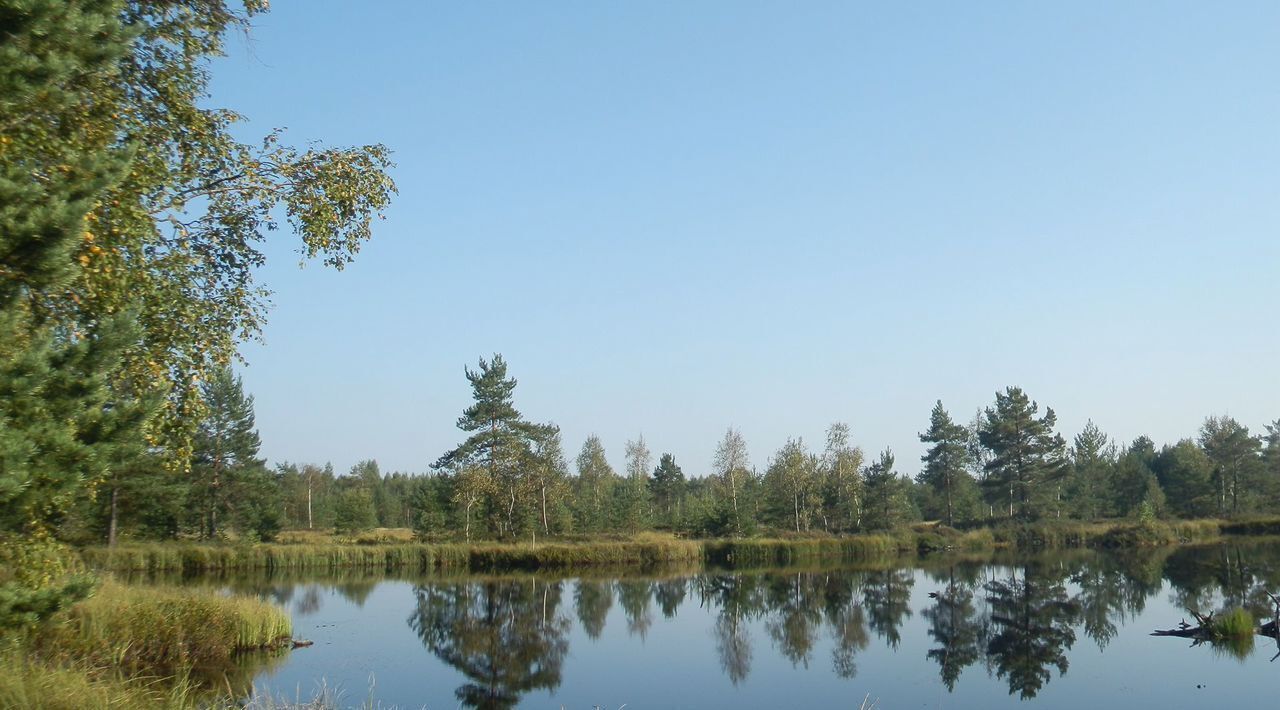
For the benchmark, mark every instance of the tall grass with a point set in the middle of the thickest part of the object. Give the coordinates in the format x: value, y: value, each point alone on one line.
x: 309, y: 551
x: 158, y: 627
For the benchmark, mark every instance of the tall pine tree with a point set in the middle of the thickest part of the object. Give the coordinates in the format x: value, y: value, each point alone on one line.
x: 1027, y: 457
x: 944, y: 465
x: 225, y: 467
x: 501, y: 441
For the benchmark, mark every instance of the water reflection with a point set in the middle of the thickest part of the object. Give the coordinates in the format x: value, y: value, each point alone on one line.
x: 506, y: 637
x: 1015, y: 620
x: 1032, y: 615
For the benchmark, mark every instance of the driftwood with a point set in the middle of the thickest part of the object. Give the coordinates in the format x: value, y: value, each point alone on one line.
x: 1204, y: 630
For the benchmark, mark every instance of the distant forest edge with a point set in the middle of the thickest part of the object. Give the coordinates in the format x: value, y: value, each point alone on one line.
x: 510, y: 480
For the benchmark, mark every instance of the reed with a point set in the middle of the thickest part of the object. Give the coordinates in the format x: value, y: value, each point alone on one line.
x: 646, y: 550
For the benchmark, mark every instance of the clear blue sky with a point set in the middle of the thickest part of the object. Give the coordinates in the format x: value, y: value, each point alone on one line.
x: 675, y: 217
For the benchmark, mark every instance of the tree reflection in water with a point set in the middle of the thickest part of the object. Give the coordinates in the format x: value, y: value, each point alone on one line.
x: 1033, y: 617
x: 510, y: 637
x: 957, y: 628
x: 506, y: 637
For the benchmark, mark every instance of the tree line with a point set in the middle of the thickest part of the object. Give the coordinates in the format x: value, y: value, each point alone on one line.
x: 510, y: 479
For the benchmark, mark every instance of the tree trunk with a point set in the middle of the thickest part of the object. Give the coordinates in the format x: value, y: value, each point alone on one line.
x: 308, y: 504
x: 546, y: 528
x: 950, y: 522
x: 111, y: 526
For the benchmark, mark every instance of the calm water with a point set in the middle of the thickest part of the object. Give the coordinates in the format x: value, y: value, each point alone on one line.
x: 1051, y: 631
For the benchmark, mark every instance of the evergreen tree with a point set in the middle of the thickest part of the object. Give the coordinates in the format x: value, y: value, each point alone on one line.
x: 1134, y: 487
x: 63, y: 427
x: 1028, y: 458
x: 1093, y: 457
x: 944, y: 465
x: 354, y: 510
x: 886, y: 502
x: 1271, y: 462
x: 1234, y: 453
x: 501, y: 440
x: 1185, y: 473
x: 225, y: 457
x: 667, y: 486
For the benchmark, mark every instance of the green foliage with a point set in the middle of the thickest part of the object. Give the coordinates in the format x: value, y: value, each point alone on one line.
x: 792, y: 487
x: 1089, y: 486
x: 887, y: 501
x: 353, y: 511
x: 1236, y: 466
x: 1185, y: 474
x: 493, y: 464
x: 38, y: 579
x: 1027, y: 457
x: 62, y: 428
x: 595, y: 484
x: 667, y: 487
x: 842, y: 485
x: 225, y: 465
x: 944, y: 471
x: 735, y: 482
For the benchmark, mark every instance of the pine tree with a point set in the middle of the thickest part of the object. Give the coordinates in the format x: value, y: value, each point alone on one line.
x: 501, y: 440
x: 885, y: 505
x: 62, y: 427
x: 1185, y: 474
x: 1234, y: 453
x: 1027, y: 456
x: 225, y: 455
x: 944, y: 464
x: 1093, y: 456
x: 667, y: 485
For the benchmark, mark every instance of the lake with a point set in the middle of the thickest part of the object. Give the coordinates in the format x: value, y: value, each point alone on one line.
x: 1055, y: 630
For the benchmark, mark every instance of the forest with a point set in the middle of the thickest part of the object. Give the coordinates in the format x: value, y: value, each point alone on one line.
x: 510, y: 479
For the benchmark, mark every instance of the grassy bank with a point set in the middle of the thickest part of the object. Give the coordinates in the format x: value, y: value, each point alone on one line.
x: 136, y: 647
x: 646, y: 551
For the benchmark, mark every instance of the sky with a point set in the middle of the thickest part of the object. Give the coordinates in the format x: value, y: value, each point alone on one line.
x: 675, y: 217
